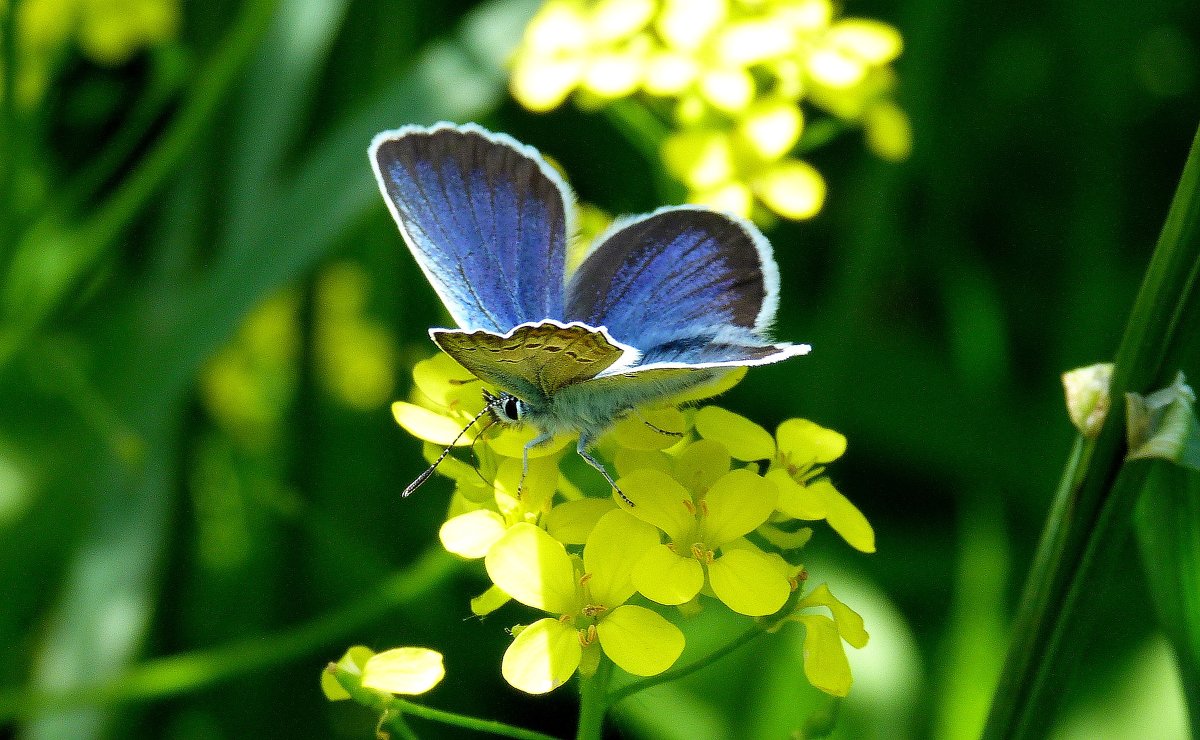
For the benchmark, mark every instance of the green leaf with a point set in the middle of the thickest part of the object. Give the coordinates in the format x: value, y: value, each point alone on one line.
x: 1168, y: 535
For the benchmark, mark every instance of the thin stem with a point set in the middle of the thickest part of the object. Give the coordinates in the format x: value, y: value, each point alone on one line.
x: 491, y: 726
x: 8, y: 123
x: 1093, y: 511
x: 593, y: 701
x: 180, y: 674
x: 642, y: 128
x: 352, y: 683
x: 676, y: 673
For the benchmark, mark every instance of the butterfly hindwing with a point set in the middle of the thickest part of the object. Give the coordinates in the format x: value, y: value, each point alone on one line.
x: 685, y: 285
x: 534, y: 361
x: 485, y: 217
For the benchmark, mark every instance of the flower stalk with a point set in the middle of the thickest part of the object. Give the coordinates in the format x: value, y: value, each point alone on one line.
x: 1092, y: 512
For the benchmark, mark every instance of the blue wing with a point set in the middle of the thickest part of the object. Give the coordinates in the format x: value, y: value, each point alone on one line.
x: 485, y: 217
x: 686, y: 286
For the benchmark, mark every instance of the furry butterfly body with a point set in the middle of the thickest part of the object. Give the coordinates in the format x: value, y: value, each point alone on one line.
x: 663, y: 303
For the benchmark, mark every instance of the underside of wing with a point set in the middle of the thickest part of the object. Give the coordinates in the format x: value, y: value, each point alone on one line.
x: 533, y: 361
x: 685, y: 285
x: 486, y: 218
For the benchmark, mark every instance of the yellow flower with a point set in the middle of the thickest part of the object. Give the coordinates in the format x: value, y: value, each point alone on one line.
x: 825, y: 663
x: 804, y: 448
x: 588, y: 598
x: 730, y: 78
x: 404, y: 670
x: 704, y: 541
x: 572, y: 44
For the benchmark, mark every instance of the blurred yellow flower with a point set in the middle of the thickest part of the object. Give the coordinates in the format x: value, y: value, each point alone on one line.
x: 108, y: 32
x: 729, y: 78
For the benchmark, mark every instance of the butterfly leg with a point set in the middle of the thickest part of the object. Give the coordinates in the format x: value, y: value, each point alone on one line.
x: 657, y: 429
x: 541, y: 439
x: 581, y: 448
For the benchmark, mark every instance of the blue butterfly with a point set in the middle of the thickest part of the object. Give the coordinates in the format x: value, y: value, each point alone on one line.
x: 663, y: 303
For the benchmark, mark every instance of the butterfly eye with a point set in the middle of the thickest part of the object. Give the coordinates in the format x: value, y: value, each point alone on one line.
x: 512, y: 408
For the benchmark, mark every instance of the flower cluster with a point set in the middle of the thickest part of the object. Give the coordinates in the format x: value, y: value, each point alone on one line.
x: 713, y: 507
x: 729, y: 78
x: 108, y: 32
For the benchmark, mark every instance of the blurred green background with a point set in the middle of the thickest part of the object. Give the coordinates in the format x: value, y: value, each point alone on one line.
x: 206, y: 311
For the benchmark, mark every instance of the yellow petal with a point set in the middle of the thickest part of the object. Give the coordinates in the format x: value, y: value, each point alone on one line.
x: 429, y: 426
x: 712, y: 388
x: 488, y: 602
x: 534, y: 568
x: 844, y: 517
x: 805, y: 443
x: 669, y: 73
x: 445, y: 383
x: 351, y: 661
x: 700, y: 158
x: 686, y: 24
x: 627, y: 461
x: 784, y: 539
x: 532, y: 494
x: 870, y: 41
x: 748, y: 582
x: 744, y: 439
x: 738, y: 503
x: 792, y: 188
x: 849, y: 623
x: 639, y: 429
x: 570, y: 523
x: 406, y: 670
x: 659, y: 500
x: 558, y: 26
x: 614, y: 74
x: 701, y: 463
x: 732, y: 197
x: 613, y: 20
x: 771, y: 127
x: 542, y: 84
x: 542, y: 657
x: 796, y: 500
x: 729, y: 89
x: 472, y: 534
x: 836, y: 69
x: 616, y: 544
x: 825, y: 663
x: 667, y: 578
x: 750, y: 42
x: 639, y: 641
x: 511, y: 440
x: 888, y: 131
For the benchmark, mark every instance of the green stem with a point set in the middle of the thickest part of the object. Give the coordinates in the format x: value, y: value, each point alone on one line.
x: 352, y: 683
x: 593, y: 701
x: 676, y: 673
x: 8, y: 124
x: 645, y: 131
x: 489, y: 726
x: 1093, y: 510
x: 179, y: 674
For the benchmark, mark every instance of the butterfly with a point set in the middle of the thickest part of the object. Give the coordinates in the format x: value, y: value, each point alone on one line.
x: 663, y: 303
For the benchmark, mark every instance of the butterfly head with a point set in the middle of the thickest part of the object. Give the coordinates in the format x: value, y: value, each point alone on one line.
x: 505, y: 408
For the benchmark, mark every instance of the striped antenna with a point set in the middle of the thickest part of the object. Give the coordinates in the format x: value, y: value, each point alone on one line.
x: 491, y: 403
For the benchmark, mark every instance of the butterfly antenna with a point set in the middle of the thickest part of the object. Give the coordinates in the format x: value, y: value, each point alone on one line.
x: 429, y: 471
x: 474, y: 454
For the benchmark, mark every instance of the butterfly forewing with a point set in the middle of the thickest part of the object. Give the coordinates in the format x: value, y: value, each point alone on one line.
x: 485, y: 217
